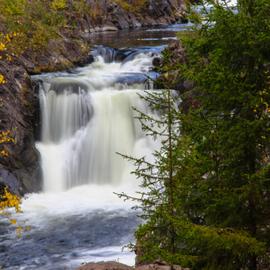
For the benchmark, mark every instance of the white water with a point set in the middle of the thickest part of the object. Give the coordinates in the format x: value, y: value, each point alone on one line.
x: 82, y: 131
x: 87, y: 117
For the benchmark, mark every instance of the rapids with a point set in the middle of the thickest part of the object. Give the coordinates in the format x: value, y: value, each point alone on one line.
x: 87, y: 117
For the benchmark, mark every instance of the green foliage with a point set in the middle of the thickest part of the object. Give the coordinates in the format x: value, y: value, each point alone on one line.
x: 35, y: 22
x: 11, y: 8
x: 157, y: 198
x: 132, y: 5
x: 59, y: 4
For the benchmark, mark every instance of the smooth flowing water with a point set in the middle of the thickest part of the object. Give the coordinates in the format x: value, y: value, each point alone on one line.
x: 87, y: 118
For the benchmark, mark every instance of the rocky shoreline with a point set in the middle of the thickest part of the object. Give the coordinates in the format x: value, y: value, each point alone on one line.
x: 19, y: 107
x: 119, y: 266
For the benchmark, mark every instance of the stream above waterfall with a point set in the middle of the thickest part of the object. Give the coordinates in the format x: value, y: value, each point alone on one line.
x: 87, y: 117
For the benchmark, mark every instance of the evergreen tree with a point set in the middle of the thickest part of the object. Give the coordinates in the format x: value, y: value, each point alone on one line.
x: 228, y: 61
x: 157, y: 200
x: 206, y: 198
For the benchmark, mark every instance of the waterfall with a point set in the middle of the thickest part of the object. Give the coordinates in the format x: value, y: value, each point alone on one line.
x: 88, y: 117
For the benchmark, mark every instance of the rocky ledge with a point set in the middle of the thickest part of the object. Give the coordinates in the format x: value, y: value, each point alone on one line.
x: 120, y: 266
x: 115, y: 16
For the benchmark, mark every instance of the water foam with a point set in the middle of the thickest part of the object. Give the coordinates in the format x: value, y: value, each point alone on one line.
x: 86, y: 118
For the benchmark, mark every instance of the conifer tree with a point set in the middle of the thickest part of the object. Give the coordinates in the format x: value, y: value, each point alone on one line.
x: 206, y: 197
x: 156, y: 200
x: 226, y: 200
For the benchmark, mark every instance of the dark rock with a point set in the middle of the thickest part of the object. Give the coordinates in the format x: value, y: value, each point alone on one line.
x: 177, y: 51
x: 85, y: 61
x: 155, y: 12
x: 120, y: 266
x: 58, y: 55
x: 107, y: 53
x: 8, y: 180
x: 157, y: 62
x: 184, y: 20
x: 19, y: 111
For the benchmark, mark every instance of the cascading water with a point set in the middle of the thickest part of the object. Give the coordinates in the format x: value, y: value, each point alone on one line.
x: 87, y: 118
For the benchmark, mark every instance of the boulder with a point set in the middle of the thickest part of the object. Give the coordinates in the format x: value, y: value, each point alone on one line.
x: 105, y: 266
x: 157, y: 62
x: 120, y: 266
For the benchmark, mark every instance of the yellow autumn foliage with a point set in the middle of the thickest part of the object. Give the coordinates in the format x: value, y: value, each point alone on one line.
x: 9, y: 200
x: 58, y: 4
x: 6, y: 137
x: 2, y: 79
x: 131, y: 6
x: 2, y: 46
x: 5, y: 39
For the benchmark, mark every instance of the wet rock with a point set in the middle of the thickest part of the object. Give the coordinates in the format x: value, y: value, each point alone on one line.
x: 157, y: 62
x: 120, y: 266
x: 122, y: 54
x: 160, y: 266
x: 105, y: 266
x: 130, y: 79
x: 86, y: 61
x: 107, y: 53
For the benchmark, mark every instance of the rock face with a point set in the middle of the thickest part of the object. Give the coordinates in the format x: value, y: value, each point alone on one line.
x: 19, y: 104
x: 119, y: 266
x: 19, y: 110
x: 114, y: 16
x: 18, y: 114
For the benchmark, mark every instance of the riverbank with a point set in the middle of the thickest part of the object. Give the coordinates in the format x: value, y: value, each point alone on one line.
x: 120, y: 266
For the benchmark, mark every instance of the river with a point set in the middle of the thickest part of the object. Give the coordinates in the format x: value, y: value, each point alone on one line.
x: 87, y: 117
